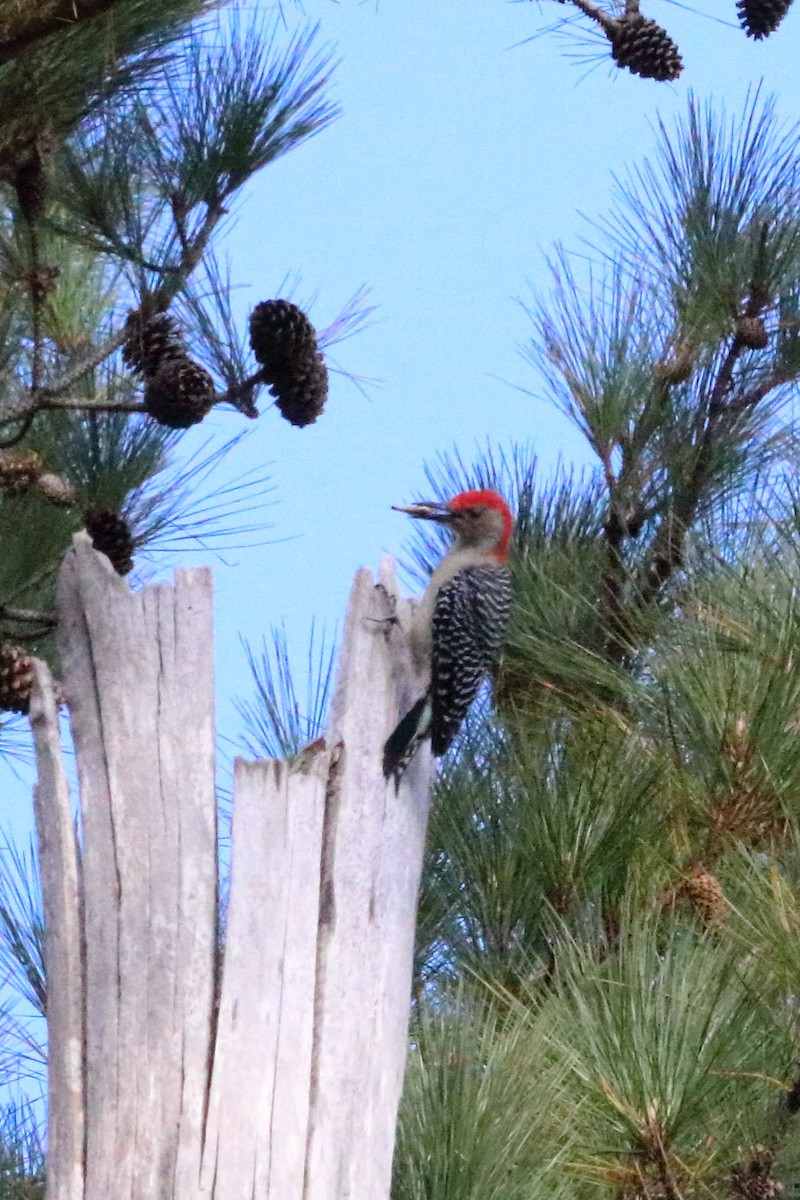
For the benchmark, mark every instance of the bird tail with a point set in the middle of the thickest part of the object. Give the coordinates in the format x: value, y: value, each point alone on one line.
x: 403, y: 743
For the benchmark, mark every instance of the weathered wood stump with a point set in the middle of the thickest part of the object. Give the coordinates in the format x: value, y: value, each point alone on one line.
x: 266, y: 1062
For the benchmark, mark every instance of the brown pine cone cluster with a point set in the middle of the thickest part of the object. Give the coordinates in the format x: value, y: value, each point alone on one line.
x: 704, y: 891
x: 148, y: 341
x: 285, y: 345
x: 756, y: 1181
x: 178, y: 391
x: 644, y: 48
x: 19, y: 472
x: 751, y: 332
x: 16, y: 678
x: 111, y: 535
x: 31, y: 177
x: 24, y: 471
x: 760, y: 18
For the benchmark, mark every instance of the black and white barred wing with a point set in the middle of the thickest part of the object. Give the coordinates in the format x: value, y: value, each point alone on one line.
x: 469, y: 624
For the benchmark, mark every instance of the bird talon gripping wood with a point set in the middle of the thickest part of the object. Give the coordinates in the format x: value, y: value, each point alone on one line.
x: 387, y: 623
x: 458, y: 626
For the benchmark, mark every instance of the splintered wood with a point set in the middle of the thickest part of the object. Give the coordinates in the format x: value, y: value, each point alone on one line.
x: 189, y: 1056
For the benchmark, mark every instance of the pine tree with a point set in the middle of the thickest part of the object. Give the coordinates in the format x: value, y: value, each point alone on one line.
x: 128, y: 131
x: 607, y: 948
x: 606, y: 962
x: 607, y: 944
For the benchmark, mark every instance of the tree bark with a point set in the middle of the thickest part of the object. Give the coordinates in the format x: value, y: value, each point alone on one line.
x: 282, y: 1077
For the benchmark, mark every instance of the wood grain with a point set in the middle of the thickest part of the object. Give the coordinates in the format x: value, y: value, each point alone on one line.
x: 290, y: 1090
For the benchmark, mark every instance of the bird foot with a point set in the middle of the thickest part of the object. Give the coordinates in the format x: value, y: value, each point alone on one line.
x: 385, y: 624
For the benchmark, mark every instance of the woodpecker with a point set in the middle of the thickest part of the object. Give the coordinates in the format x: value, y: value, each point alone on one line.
x: 459, y: 624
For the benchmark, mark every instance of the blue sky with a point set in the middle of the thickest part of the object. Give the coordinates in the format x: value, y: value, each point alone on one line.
x: 463, y: 153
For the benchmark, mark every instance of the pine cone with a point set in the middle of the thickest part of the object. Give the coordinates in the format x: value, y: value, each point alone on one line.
x: 751, y: 332
x: 704, y: 891
x: 30, y: 178
x: 180, y: 393
x: 150, y: 341
x: 301, y: 393
x: 19, y: 473
x: 644, y: 48
x: 16, y: 678
x: 760, y: 18
x: 280, y: 333
x: 756, y: 1181
x: 111, y: 535
x: 677, y: 367
x: 55, y: 489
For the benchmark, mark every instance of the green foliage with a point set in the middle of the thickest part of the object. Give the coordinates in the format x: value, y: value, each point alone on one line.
x: 713, y: 217
x: 278, y: 720
x: 22, y: 1157
x: 237, y: 106
x: 21, y: 926
x: 139, y: 177
x: 673, y: 1059
x: 529, y: 825
x: 33, y: 536
x: 651, y: 1064
x: 730, y: 697
x: 105, y: 455
x: 613, y: 862
x: 125, y: 188
x: 59, y: 79
x: 595, y: 344
x: 475, y: 1119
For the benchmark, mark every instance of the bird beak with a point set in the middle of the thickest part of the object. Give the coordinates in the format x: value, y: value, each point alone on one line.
x: 427, y: 511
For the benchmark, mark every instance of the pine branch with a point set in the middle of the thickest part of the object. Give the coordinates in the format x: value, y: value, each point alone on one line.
x: 666, y: 552
x: 626, y: 515
x: 239, y: 396
x: 37, y: 289
x: 596, y: 13
x: 628, y: 511
x: 28, y: 616
x: 164, y: 171
x: 76, y: 371
x: 38, y: 399
x: 26, y: 422
x: 75, y: 404
x: 59, y: 78
x: 40, y: 21
x: 192, y: 251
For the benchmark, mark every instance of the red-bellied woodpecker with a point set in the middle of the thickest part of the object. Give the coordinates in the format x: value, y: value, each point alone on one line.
x: 459, y: 625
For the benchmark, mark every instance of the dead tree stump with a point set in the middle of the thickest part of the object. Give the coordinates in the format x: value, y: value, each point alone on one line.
x: 267, y: 1062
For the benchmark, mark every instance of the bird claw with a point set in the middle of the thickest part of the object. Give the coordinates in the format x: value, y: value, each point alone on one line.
x: 389, y: 598
x: 391, y: 619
